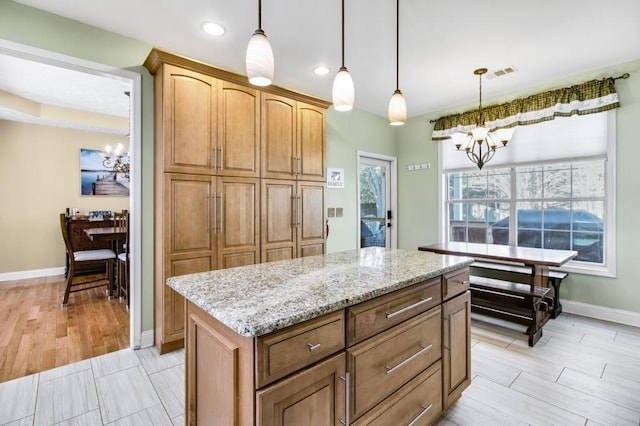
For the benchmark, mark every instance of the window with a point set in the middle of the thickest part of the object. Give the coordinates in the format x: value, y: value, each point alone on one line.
x: 564, y: 204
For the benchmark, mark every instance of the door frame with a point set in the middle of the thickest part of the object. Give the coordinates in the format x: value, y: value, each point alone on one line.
x: 135, y: 147
x: 393, y: 199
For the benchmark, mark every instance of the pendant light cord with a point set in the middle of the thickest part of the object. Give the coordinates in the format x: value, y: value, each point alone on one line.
x: 397, y: 44
x: 342, y: 33
x: 259, y: 14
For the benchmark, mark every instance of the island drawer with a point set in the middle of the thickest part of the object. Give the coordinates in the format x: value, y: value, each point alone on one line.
x: 283, y: 352
x: 383, y: 364
x: 419, y: 402
x: 455, y: 283
x: 369, y: 318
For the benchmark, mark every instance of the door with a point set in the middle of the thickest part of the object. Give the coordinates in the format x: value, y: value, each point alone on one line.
x: 456, y: 347
x: 376, y: 213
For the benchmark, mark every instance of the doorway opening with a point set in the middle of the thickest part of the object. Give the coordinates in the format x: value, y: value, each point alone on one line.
x: 132, y: 81
x: 377, y: 200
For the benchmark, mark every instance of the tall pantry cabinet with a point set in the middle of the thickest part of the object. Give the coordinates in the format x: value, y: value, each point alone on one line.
x: 239, y: 178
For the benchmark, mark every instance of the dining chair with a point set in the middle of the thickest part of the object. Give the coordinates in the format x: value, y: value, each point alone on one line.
x: 122, y: 220
x: 82, y: 257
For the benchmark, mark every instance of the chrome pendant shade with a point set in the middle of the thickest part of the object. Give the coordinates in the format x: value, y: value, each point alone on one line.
x: 259, y: 60
x: 480, y: 143
x: 397, y: 105
x: 343, y: 92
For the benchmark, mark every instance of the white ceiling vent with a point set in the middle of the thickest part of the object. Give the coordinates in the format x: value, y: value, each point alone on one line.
x: 501, y: 72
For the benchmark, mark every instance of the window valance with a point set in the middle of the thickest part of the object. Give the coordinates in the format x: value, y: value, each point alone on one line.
x: 586, y: 98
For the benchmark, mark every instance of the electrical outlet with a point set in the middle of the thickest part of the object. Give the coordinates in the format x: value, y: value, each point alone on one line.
x: 338, y: 211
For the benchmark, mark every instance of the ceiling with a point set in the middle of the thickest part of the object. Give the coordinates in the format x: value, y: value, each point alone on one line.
x: 441, y: 42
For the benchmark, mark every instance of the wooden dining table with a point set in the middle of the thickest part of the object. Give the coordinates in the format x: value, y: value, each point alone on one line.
x: 113, y: 234
x: 508, y: 294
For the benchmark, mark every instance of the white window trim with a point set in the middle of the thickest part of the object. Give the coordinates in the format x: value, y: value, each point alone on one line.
x: 608, y: 269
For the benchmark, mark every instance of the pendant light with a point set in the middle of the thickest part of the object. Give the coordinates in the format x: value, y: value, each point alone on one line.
x: 397, y: 105
x: 259, y: 56
x: 343, y: 91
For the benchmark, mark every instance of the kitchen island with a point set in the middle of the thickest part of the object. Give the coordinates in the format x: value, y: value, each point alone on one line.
x: 370, y: 336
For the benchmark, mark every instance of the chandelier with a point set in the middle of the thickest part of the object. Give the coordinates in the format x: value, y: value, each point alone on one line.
x: 116, y: 162
x: 480, y: 143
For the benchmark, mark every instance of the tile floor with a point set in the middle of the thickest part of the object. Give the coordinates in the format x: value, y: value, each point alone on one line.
x: 583, y: 372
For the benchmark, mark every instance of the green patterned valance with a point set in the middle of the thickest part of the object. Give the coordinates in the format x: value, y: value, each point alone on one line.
x: 586, y: 98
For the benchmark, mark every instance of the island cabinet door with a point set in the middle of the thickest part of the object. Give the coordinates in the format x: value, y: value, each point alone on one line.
x: 456, y: 347
x: 315, y: 396
x: 189, y: 120
x: 238, y: 150
x: 237, y: 221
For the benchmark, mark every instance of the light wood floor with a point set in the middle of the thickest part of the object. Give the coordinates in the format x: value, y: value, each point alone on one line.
x: 37, y: 334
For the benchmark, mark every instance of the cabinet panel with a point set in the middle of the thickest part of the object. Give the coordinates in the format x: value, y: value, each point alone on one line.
x: 284, y: 352
x: 315, y: 396
x: 311, y: 249
x: 311, y: 221
x: 278, y: 220
x: 456, y: 348
x: 239, y: 131
x: 419, y: 402
x: 382, y: 364
x: 189, y: 105
x: 279, y: 149
x: 188, y: 213
x: 311, y: 142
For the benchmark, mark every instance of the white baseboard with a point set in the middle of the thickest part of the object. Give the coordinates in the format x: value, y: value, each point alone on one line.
x: 20, y: 275
x: 601, y: 312
x: 146, y: 339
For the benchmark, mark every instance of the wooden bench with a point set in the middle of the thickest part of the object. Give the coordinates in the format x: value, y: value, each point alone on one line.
x: 555, y: 279
x: 512, y: 301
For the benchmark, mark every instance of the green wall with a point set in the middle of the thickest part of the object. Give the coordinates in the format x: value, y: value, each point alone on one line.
x: 346, y: 134
x: 418, y: 190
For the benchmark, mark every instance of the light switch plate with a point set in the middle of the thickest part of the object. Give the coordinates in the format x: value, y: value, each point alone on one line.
x: 331, y: 212
x: 338, y: 211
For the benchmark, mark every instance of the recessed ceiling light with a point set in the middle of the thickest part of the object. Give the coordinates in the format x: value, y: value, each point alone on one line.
x: 213, y: 29
x: 321, y: 70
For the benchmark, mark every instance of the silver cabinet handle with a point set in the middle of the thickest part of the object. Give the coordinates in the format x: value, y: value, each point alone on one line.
x: 422, y: 413
x: 214, y: 159
x: 394, y: 368
x: 345, y: 422
x: 221, y: 211
x: 294, y: 210
x: 221, y: 157
x: 298, y: 210
x: 313, y: 347
x: 294, y: 165
x: 451, y: 335
x: 215, y: 213
x: 406, y: 308
x: 299, y: 166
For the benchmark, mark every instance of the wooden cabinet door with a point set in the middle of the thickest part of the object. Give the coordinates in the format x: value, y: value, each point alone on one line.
x: 238, y: 151
x: 311, y: 142
x: 237, y: 221
x: 279, y: 138
x: 188, y: 243
x: 456, y: 347
x: 315, y: 396
x: 189, y: 126
x: 310, y: 219
x: 278, y: 219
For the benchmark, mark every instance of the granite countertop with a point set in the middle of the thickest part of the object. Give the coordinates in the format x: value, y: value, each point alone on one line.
x: 258, y: 299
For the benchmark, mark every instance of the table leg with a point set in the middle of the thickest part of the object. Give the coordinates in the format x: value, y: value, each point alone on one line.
x: 540, y: 310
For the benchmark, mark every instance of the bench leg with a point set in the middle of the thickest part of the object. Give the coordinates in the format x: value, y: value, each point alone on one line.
x: 557, y: 306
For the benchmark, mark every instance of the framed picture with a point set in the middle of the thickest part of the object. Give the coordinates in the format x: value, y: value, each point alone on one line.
x: 335, y: 178
x: 98, y: 179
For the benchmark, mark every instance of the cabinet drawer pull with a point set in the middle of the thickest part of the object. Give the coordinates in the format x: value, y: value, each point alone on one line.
x: 407, y: 308
x: 422, y: 413
x: 394, y: 368
x: 313, y: 347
